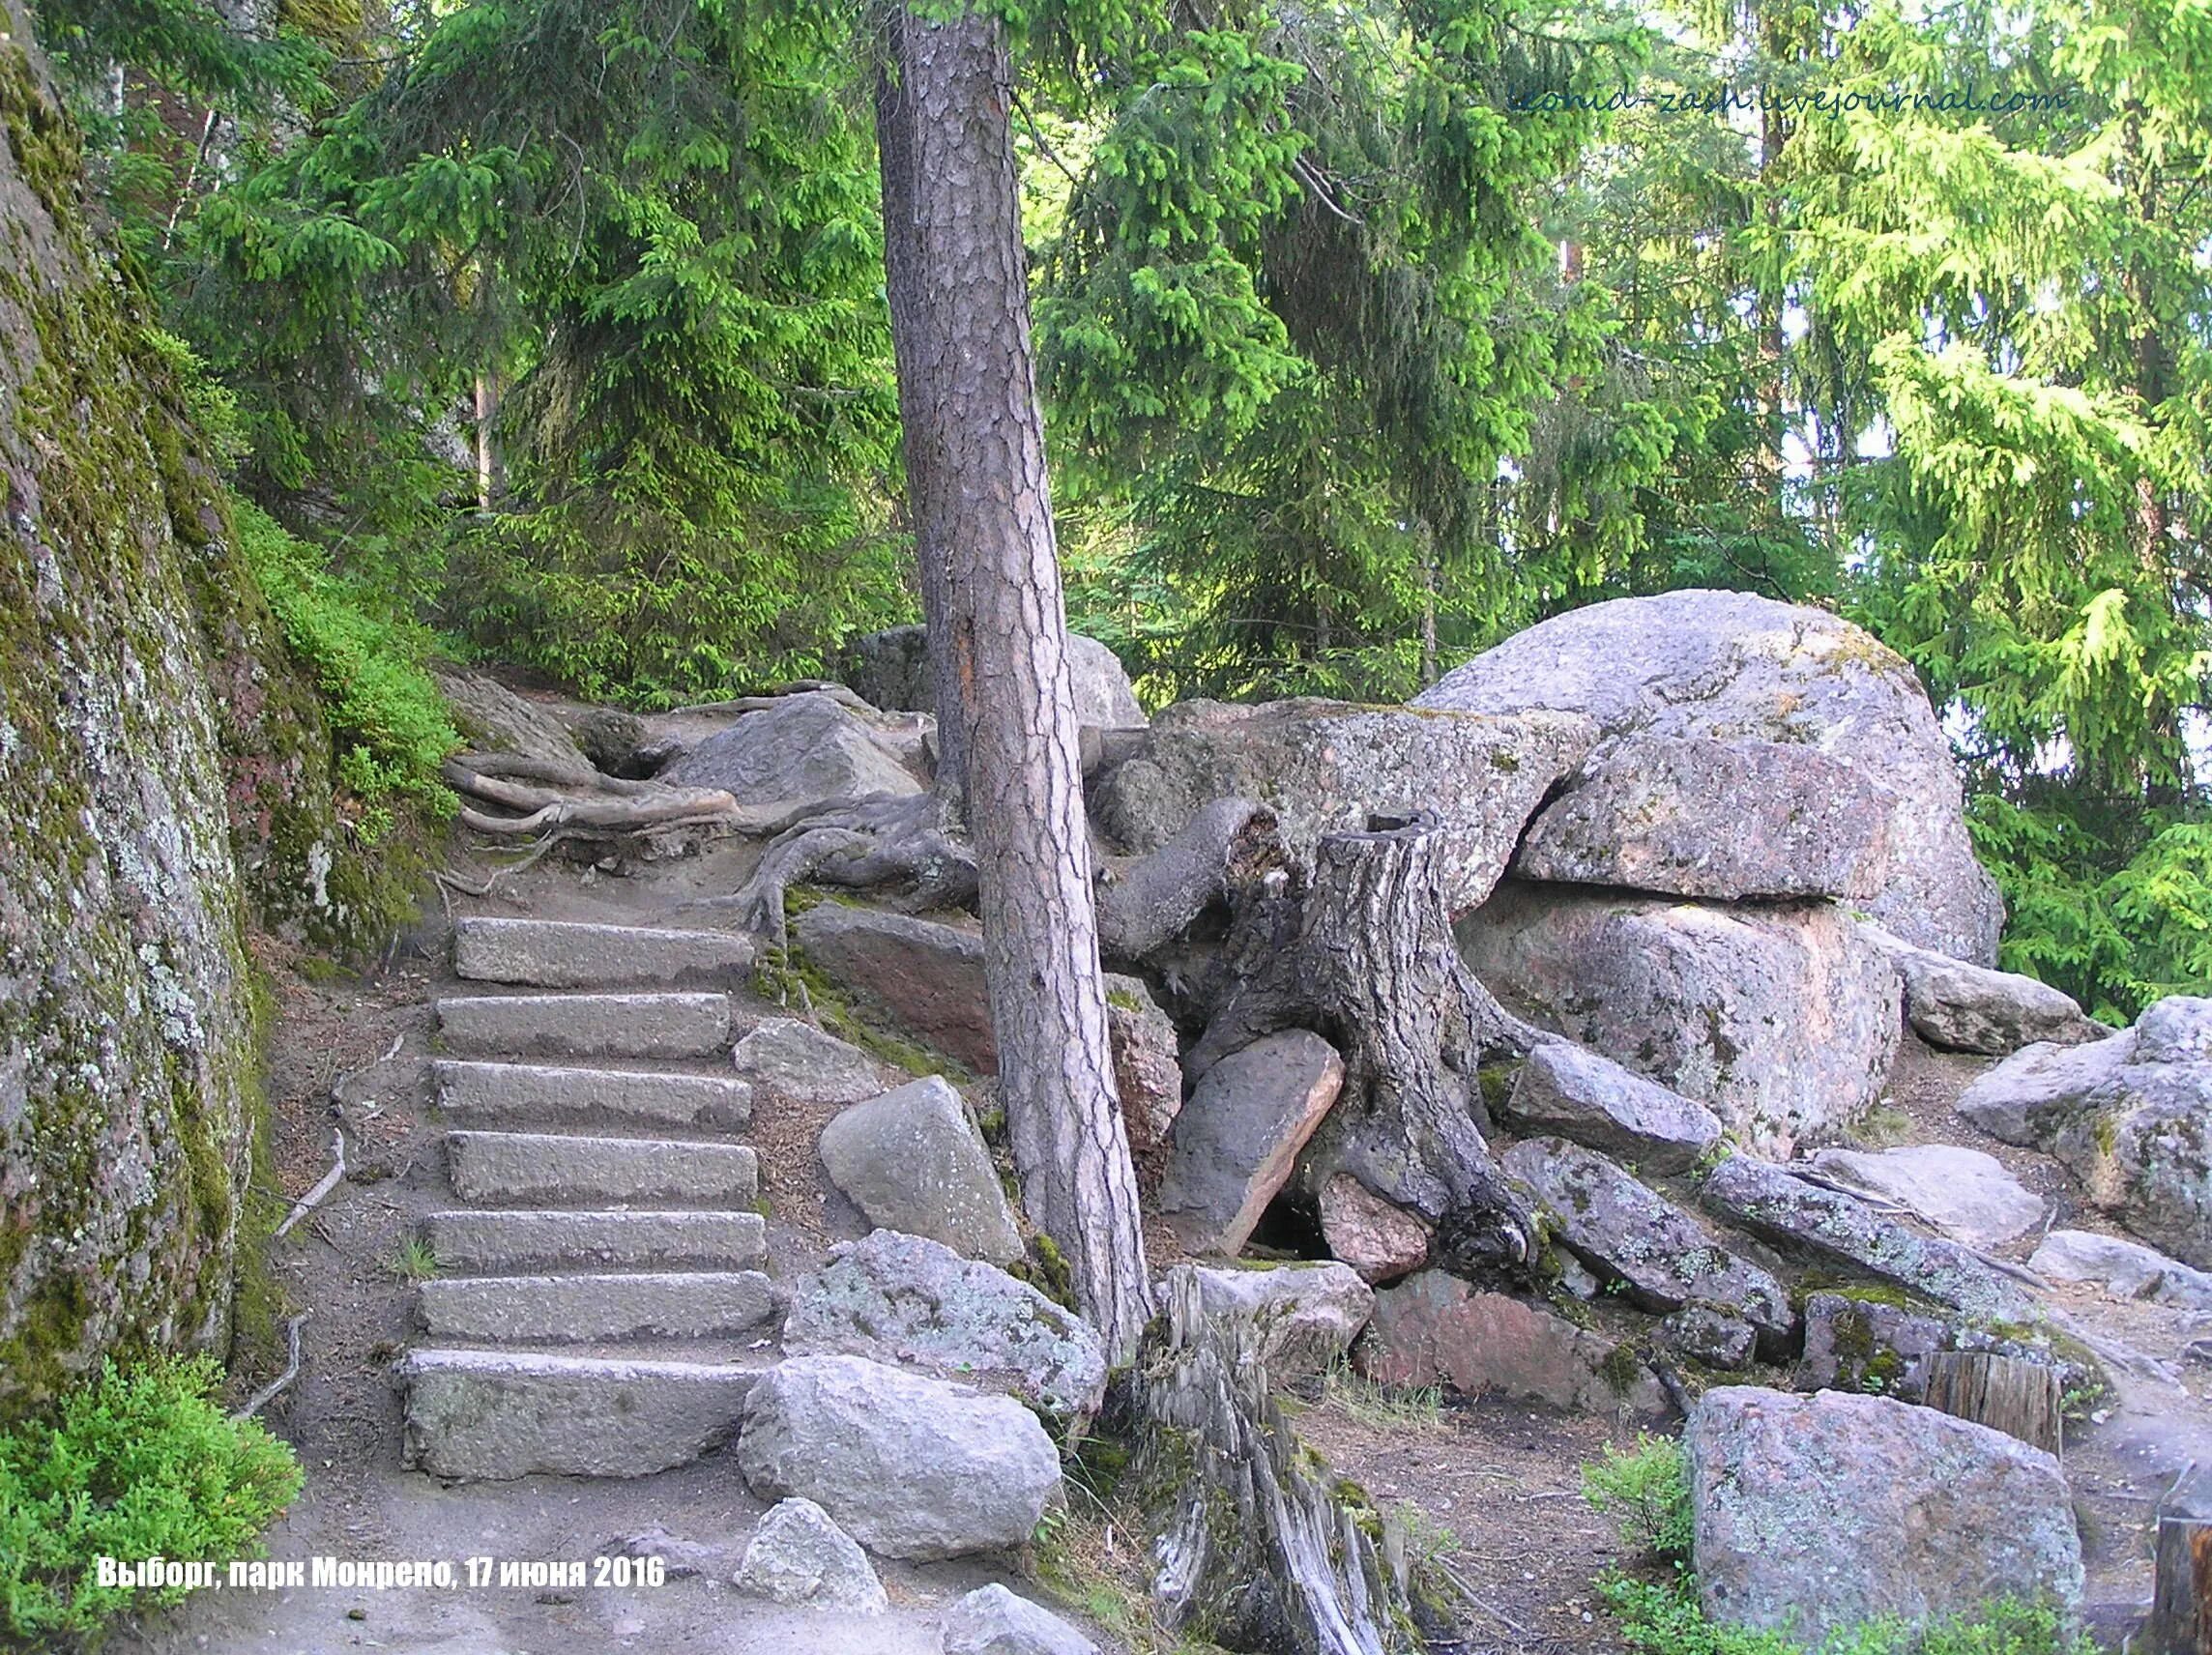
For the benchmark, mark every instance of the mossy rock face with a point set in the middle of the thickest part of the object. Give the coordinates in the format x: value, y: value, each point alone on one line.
x: 146, y: 711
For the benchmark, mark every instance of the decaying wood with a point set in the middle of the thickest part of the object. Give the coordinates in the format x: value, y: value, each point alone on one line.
x: 1259, y: 1547
x: 268, y: 1392
x: 1362, y: 952
x: 2011, y: 1394
x: 327, y: 1183
x: 2181, y: 1608
x: 1155, y: 897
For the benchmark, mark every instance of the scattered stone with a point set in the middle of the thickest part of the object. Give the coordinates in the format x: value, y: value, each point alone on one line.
x: 1817, y: 1513
x: 1781, y: 1016
x: 683, y: 1559
x: 1237, y: 1138
x: 801, y: 1065
x: 1840, y: 1230
x: 806, y: 751
x: 1965, y: 1193
x: 1729, y: 666
x: 899, y: 1298
x: 551, y: 953
x: 1972, y: 1009
x: 893, y: 669
x: 925, y: 978
x: 1380, y: 1240
x: 1326, y: 767
x: 2129, y: 1116
x: 1662, y: 1257
x: 1302, y: 1316
x: 1572, y: 1093
x: 1435, y: 1325
x: 913, y: 1160
x: 994, y: 1621
x: 1695, y: 817
x: 909, y: 1465
x: 2126, y: 1269
x: 799, y: 1556
x: 1713, y: 1337
x: 1855, y: 1344
x: 1147, y: 1068
x: 1573, y: 1280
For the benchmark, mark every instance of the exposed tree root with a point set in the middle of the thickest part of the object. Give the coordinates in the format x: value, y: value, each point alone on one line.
x: 867, y: 845
x: 1154, y: 898
x: 549, y: 796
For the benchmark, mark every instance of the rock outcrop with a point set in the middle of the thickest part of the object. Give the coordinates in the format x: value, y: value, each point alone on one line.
x: 1435, y: 1327
x: 923, y: 978
x: 1813, y: 1514
x: 1963, y: 1007
x: 2129, y: 1116
x: 2126, y: 1269
x: 1781, y: 1017
x: 1325, y: 766
x: 893, y: 669
x: 1735, y: 668
x: 806, y: 751
x: 1566, y: 1090
x: 1965, y: 1193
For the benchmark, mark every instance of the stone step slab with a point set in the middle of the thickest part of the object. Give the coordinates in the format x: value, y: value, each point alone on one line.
x: 509, y: 1414
x: 538, y: 1169
x: 485, y: 1242
x: 551, y: 953
x: 535, y: 1091
x: 576, y: 1310
x: 585, y: 1025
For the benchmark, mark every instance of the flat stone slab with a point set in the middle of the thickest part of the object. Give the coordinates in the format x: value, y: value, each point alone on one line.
x: 2126, y: 1269
x: 575, y: 1310
x: 549, y: 1167
x: 587, y: 1025
x: 484, y: 1241
x: 534, y: 1092
x: 551, y: 953
x: 1236, y: 1140
x: 1571, y: 1091
x: 1965, y: 1193
x: 511, y: 1413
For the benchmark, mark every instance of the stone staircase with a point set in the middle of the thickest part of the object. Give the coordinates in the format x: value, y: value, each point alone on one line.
x: 601, y: 1307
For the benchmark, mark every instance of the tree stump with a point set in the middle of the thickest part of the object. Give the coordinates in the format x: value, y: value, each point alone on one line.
x: 1361, y: 951
x: 2011, y: 1394
x: 1260, y: 1547
x: 2181, y: 1610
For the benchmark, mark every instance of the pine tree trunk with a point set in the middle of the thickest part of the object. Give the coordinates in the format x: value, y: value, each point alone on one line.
x: 976, y: 470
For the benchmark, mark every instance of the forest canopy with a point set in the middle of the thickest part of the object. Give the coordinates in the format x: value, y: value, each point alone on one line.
x: 1371, y: 331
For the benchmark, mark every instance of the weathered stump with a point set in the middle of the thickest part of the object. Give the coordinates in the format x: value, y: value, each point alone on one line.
x: 2181, y: 1610
x: 2011, y: 1394
x: 1260, y: 1547
x: 1361, y: 951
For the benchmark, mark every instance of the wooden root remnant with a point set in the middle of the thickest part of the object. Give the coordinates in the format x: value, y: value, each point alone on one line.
x: 1362, y: 952
x: 1259, y: 1547
x: 2181, y: 1610
x: 2012, y: 1394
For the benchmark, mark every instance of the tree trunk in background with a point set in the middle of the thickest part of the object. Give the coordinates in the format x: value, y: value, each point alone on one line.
x: 976, y: 473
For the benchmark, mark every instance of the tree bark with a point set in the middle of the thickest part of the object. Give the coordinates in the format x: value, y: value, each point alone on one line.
x: 975, y: 472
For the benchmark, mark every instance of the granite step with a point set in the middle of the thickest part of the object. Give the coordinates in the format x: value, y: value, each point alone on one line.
x: 585, y: 1025
x: 577, y: 1310
x: 552, y: 1169
x: 489, y: 1241
x: 534, y: 1092
x: 553, y: 953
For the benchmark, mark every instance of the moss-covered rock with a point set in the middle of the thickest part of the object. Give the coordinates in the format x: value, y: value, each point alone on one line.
x: 147, y: 713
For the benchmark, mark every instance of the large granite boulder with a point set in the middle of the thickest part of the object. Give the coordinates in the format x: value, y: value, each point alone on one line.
x: 1435, y: 1327
x: 1238, y: 1139
x: 1663, y: 1259
x: 1841, y: 1232
x: 922, y: 978
x: 1695, y: 817
x: 1967, y: 1195
x: 913, y: 1160
x: 909, y: 1465
x: 806, y: 751
x: 1326, y: 767
x: 495, y: 720
x: 894, y: 668
x: 1301, y: 1317
x: 1782, y: 1017
x: 1813, y: 1514
x: 1566, y: 1090
x: 2129, y: 1116
x: 1963, y: 1008
x: 904, y: 1300
x: 799, y: 1556
x: 1728, y: 666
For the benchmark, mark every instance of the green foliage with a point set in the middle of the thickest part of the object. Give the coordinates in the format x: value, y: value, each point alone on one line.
x: 141, y: 1462
x: 389, y: 723
x: 1646, y: 1492
x: 1664, y: 1618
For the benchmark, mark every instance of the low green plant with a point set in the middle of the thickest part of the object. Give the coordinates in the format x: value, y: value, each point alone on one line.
x: 1645, y: 1490
x: 389, y: 727
x: 141, y: 1462
x: 1664, y: 1617
x: 412, y: 1261
x: 1366, y: 1402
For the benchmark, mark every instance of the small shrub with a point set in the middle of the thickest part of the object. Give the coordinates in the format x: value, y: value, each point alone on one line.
x: 139, y: 1463
x: 1665, y: 1618
x: 412, y: 1261
x: 1646, y: 1492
